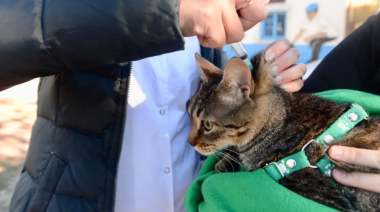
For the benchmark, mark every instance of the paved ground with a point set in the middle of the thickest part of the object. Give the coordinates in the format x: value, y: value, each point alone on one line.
x: 17, y: 115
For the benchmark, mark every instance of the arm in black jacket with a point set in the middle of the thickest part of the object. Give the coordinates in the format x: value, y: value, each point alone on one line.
x: 44, y: 37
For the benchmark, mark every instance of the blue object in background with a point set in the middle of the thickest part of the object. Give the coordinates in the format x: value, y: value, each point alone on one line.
x: 305, y: 51
x: 311, y: 8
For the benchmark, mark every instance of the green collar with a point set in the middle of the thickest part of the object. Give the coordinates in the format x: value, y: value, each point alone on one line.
x: 297, y: 161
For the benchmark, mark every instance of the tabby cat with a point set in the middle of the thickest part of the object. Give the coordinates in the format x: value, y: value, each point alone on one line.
x: 261, y: 123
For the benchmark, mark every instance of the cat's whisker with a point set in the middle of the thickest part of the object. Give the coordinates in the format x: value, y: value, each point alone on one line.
x: 215, y: 150
x: 233, y: 159
x: 232, y: 151
x: 227, y: 160
x: 227, y: 156
x: 216, y: 156
x: 219, y: 160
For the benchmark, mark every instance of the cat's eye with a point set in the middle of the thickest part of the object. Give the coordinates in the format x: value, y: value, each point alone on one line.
x: 208, y: 125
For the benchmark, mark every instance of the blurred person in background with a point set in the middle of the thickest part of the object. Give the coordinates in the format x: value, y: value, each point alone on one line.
x: 316, y: 30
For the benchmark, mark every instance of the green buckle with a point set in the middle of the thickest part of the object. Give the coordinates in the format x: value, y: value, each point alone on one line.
x: 272, y: 173
x: 288, y: 165
x: 297, y: 161
x: 338, y: 130
x: 325, y: 165
x: 343, y: 125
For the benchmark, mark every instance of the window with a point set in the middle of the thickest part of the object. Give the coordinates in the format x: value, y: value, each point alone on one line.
x: 273, y: 26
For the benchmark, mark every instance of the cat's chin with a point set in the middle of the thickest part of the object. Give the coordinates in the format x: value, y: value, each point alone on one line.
x: 202, y: 152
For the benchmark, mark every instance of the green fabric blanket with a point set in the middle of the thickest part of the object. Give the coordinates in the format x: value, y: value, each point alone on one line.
x: 256, y: 191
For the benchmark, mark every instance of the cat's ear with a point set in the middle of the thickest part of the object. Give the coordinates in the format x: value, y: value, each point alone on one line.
x: 263, y: 78
x: 237, y: 78
x: 207, y: 70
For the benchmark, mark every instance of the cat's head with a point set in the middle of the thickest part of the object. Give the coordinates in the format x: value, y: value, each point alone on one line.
x: 224, y: 109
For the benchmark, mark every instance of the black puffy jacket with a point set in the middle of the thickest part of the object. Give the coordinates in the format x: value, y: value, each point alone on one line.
x: 81, y: 49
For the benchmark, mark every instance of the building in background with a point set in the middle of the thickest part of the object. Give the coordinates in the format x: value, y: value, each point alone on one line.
x: 358, y: 12
x: 314, y: 26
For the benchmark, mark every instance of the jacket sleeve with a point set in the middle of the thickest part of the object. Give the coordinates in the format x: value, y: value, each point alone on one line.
x: 44, y: 37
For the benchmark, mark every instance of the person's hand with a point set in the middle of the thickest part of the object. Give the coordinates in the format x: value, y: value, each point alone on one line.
x: 363, y: 157
x: 307, y: 40
x: 219, y: 22
x: 286, y: 73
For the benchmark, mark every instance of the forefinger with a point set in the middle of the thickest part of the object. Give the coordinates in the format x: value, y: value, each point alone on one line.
x: 276, y: 49
x: 362, y: 157
x: 367, y: 181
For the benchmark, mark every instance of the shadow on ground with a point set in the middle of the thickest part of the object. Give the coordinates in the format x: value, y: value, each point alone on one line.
x: 16, y: 120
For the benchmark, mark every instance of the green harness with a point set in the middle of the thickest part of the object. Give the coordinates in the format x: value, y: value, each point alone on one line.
x: 297, y: 161
x: 256, y: 191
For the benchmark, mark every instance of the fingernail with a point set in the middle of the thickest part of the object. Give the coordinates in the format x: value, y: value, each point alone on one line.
x: 277, y: 79
x: 270, y: 57
x: 339, y: 174
x: 284, y: 87
x: 336, y: 151
x: 273, y: 69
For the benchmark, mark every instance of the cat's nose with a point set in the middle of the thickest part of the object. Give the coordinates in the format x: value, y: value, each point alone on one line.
x: 192, y: 142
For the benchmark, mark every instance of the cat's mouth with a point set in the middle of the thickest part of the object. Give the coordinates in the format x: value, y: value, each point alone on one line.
x: 205, y: 149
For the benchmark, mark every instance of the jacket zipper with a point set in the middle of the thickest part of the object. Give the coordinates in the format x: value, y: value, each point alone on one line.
x: 122, y: 134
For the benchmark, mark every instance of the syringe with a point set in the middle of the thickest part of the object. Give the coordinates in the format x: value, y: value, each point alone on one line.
x: 241, y: 53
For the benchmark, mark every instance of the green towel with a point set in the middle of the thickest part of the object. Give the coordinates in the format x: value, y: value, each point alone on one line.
x: 256, y: 191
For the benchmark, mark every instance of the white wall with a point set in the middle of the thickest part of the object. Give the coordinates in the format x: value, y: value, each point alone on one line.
x: 333, y: 10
